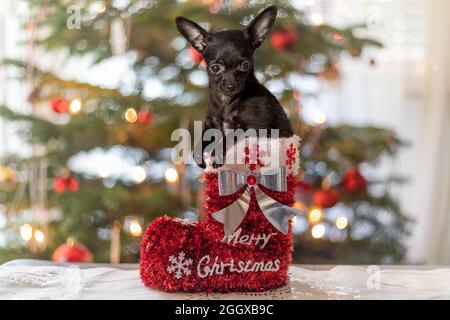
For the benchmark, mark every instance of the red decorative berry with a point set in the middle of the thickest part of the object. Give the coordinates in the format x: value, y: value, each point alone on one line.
x: 195, y: 55
x: 145, y: 116
x: 61, y: 184
x: 251, y: 180
x: 353, y: 181
x: 60, y: 105
x: 253, y: 157
x: 72, y: 184
x: 325, y: 198
x: 290, y: 153
x: 283, y: 39
x: 72, y: 252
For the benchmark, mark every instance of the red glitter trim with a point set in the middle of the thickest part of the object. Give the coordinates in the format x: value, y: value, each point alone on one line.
x: 167, y: 236
x: 253, y: 157
x: 291, y: 156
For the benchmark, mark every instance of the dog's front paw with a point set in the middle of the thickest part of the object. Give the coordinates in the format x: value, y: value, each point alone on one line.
x: 201, y: 165
x: 217, y: 165
x: 214, y: 165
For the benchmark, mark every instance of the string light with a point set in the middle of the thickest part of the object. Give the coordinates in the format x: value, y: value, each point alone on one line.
x: 341, y: 222
x: 318, y: 231
x: 39, y: 236
x: 75, y: 106
x: 101, y: 7
x: 337, y: 36
x: 104, y: 172
x: 315, y: 215
x: 6, y: 174
x: 326, y: 183
x: 138, y: 174
x: 131, y: 115
x: 135, y: 228
x: 317, y: 19
x: 299, y: 205
x: 171, y: 175
x: 319, y: 116
x: 26, y: 232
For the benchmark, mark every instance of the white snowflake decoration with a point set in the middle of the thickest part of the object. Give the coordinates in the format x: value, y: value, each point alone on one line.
x: 180, y: 265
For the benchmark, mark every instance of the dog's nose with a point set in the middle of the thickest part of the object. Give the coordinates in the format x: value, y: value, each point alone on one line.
x: 231, y: 86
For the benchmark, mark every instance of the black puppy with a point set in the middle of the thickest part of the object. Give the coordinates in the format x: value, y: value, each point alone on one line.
x: 237, y: 99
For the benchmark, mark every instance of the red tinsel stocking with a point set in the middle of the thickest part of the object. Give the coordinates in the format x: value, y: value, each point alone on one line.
x: 180, y: 255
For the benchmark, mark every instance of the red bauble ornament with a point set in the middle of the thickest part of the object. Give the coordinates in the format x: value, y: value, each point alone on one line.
x: 72, y: 252
x: 195, y: 55
x: 60, y: 105
x: 325, y: 198
x: 145, y: 116
x: 61, y: 184
x: 251, y: 180
x: 353, y: 181
x: 283, y: 39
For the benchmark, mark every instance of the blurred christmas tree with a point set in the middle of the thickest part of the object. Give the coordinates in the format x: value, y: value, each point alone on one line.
x: 49, y: 197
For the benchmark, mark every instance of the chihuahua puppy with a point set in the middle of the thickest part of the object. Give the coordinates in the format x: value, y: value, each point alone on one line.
x: 237, y: 99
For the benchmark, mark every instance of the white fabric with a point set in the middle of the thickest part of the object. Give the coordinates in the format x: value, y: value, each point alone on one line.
x: 435, y: 178
x: 270, y: 153
x: 342, y: 282
x: 408, y: 91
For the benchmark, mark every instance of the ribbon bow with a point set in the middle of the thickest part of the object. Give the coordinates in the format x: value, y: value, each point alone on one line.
x: 231, y: 216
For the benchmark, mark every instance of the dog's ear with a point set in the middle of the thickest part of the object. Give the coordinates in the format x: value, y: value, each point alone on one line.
x: 193, y: 33
x: 260, y: 26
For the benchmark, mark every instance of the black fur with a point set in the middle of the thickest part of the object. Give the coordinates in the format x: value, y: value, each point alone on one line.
x: 237, y: 99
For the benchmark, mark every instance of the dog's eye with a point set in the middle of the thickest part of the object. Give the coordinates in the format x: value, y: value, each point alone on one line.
x: 245, y: 65
x: 216, y: 68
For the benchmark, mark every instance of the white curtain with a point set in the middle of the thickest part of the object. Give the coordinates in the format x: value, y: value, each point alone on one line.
x: 388, y: 94
x: 435, y: 145
x: 409, y: 91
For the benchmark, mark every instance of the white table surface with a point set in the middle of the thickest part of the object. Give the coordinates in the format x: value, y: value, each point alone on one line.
x: 31, y: 279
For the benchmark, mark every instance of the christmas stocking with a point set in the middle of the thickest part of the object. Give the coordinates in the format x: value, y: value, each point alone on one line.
x: 245, y: 243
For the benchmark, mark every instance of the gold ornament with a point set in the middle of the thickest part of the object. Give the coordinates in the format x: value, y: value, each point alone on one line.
x: 7, y: 174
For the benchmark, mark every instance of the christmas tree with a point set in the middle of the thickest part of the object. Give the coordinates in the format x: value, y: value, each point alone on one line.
x: 48, y: 198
